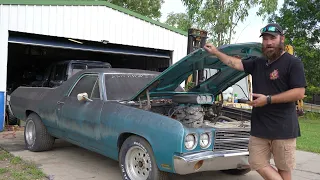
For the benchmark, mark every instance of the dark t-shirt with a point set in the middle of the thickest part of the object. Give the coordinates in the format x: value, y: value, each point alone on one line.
x: 275, y: 121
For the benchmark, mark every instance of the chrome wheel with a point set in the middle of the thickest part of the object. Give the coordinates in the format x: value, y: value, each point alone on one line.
x: 138, y: 163
x: 30, y: 132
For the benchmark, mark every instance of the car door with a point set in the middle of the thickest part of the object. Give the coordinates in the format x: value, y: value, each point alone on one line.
x: 80, y: 119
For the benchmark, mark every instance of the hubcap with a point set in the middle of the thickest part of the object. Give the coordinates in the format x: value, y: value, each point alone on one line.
x: 138, y: 163
x: 30, y: 132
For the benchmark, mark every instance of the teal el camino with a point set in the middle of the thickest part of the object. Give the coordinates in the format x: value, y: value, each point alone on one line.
x: 144, y: 119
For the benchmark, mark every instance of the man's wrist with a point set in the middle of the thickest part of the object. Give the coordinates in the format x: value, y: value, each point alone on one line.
x: 269, y: 99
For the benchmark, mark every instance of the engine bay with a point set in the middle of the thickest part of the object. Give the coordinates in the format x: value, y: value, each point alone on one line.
x: 194, y: 111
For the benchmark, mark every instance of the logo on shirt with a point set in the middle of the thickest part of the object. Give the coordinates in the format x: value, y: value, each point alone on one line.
x: 274, y: 74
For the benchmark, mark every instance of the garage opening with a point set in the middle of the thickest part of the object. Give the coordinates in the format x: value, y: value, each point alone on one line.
x: 30, y: 56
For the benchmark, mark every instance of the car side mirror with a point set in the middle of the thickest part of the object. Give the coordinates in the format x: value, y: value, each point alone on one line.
x: 83, y: 97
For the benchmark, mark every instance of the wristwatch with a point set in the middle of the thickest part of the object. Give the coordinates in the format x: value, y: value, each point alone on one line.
x: 268, y: 99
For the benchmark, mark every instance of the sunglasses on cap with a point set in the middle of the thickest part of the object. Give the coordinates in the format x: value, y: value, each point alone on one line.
x: 270, y: 29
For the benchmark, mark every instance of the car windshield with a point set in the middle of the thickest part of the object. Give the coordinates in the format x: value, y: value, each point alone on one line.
x: 93, y: 66
x: 125, y: 86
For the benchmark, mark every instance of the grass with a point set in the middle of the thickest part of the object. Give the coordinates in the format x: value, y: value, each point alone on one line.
x: 310, y: 133
x: 14, y: 168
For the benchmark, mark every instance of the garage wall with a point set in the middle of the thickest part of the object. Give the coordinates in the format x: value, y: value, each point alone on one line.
x: 3, y: 69
x: 92, y: 23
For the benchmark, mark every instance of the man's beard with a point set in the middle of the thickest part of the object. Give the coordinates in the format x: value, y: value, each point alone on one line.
x: 273, y: 54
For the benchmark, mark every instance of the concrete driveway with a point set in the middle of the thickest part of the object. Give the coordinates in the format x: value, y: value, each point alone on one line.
x: 70, y: 162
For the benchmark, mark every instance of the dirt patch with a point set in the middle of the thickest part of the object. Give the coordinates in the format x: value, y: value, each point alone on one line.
x: 14, y: 168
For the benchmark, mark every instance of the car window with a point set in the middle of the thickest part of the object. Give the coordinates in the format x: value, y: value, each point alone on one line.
x: 84, y: 85
x: 96, y: 91
x: 59, y: 72
x: 93, y: 66
x: 77, y: 67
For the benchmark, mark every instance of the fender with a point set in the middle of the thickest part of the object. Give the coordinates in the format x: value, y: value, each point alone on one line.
x: 165, y: 135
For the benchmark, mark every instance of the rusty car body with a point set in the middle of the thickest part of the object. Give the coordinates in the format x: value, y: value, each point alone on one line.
x: 142, y: 118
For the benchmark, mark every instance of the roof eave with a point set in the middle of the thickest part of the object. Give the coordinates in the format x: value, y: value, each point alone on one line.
x: 92, y: 3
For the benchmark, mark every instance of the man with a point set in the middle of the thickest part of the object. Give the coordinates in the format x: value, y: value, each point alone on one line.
x: 278, y: 82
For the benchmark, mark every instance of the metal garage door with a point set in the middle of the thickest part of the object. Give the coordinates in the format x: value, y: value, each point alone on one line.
x: 84, y: 45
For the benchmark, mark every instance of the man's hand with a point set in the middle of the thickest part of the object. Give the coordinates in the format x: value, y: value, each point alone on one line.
x: 260, y: 101
x: 210, y: 48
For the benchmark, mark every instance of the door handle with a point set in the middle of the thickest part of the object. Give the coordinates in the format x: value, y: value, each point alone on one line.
x: 59, y: 102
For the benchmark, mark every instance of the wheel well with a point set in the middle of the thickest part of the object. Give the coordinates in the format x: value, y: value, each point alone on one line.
x: 122, y: 138
x: 28, y: 112
x: 125, y: 136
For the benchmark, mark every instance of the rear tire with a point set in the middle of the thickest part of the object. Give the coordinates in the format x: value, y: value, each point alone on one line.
x: 137, y: 161
x: 237, y: 171
x: 36, y: 136
x: 11, y: 119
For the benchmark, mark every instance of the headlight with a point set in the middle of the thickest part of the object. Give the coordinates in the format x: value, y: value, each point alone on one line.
x: 209, y: 99
x: 190, y: 142
x: 204, y: 99
x: 205, y: 140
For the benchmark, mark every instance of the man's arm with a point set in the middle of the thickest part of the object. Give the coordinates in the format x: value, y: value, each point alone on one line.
x: 297, y: 84
x: 291, y: 95
x: 232, y: 62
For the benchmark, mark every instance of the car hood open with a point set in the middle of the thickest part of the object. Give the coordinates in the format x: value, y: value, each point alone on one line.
x: 168, y: 81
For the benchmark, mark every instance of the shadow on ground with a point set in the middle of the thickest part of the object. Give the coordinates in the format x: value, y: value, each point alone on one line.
x: 67, y: 161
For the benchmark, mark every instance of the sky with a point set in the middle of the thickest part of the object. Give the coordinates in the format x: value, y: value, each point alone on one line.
x: 247, y: 31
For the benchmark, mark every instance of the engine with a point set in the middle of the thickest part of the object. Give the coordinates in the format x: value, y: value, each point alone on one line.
x: 199, y: 110
x: 194, y: 110
x: 189, y: 115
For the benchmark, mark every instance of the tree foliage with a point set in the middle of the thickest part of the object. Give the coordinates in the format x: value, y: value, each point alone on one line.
x: 149, y: 8
x: 179, y: 20
x: 301, y: 21
x: 220, y: 17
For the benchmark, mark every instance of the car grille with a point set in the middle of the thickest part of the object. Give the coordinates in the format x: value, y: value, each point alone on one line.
x: 226, y: 140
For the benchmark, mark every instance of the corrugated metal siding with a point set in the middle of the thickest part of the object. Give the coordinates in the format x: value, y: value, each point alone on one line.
x: 93, y: 23
x: 2, y: 111
x: 3, y: 49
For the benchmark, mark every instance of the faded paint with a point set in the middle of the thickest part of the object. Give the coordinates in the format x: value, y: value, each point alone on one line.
x: 97, y: 125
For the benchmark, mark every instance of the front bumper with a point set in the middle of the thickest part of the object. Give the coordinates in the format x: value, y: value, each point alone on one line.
x: 210, y: 161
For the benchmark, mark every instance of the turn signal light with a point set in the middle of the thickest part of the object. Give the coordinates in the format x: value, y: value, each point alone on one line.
x: 198, y: 165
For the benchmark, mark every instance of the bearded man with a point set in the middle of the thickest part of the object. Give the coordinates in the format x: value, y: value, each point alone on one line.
x: 278, y: 81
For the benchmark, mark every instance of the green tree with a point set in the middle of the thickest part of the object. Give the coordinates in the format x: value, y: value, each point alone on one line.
x: 220, y: 17
x: 301, y: 21
x: 179, y: 20
x: 149, y: 8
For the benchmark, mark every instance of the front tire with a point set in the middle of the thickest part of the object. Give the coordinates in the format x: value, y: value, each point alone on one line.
x: 36, y: 136
x: 137, y: 161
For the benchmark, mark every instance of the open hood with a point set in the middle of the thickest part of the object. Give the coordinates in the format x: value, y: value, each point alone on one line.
x: 168, y: 81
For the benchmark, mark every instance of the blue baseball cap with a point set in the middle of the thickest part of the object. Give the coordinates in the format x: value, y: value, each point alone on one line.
x: 273, y: 29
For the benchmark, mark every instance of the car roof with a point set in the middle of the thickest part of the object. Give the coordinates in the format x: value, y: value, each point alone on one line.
x: 82, y: 61
x: 119, y: 70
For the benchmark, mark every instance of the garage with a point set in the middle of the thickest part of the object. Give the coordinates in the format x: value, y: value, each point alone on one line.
x: 35, y: 35
x: 30, y: 56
